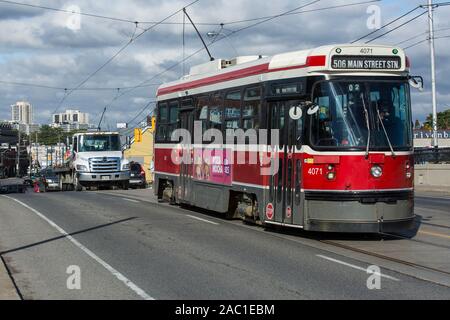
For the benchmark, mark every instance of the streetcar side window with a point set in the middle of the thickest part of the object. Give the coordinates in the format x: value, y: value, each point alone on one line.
x: 232, y: 111
x: 173, y: 119
x: 216, y: 113
x: 161, y: 130
x: 202, y: 112
x: 251, y: 108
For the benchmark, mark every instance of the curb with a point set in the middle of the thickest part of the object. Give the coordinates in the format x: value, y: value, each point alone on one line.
x: 8, y: 289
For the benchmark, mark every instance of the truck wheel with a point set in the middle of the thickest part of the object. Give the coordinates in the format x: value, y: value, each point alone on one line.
x: 77, y: 186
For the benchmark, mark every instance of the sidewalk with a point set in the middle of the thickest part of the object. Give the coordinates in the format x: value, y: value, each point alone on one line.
x: 7, y: 288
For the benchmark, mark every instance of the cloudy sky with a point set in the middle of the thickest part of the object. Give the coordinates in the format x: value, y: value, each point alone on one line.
x: 46, y: 48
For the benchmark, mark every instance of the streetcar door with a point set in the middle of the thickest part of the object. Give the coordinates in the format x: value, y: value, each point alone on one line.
x: 285, y: 184
x: 187, y: 123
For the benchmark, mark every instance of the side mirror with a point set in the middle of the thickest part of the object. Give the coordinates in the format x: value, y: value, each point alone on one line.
x: 313, y: 108
x: 416, y: 82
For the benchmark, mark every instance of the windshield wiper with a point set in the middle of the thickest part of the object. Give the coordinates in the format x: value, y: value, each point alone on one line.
x: 384, y: 130
x: 366, y: 113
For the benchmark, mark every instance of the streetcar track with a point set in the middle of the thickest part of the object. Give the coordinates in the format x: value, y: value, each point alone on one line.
x: 415, y: 240
x: 435, y: 225
x: 285, y: 235
x: 380, y: 256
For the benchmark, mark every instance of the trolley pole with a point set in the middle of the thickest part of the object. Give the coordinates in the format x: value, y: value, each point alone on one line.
x: 433, y: 72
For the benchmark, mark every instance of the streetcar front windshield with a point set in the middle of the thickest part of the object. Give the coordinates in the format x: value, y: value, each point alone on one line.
x: 352, y: 111
x: 98, y: 143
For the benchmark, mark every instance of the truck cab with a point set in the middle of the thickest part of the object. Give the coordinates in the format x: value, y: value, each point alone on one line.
x: 97, y: 161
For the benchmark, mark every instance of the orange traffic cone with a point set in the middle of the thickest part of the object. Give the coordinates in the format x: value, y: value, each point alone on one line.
x: 36, y: 187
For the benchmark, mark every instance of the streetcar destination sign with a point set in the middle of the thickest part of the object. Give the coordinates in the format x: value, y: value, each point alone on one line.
x: 366, y: 63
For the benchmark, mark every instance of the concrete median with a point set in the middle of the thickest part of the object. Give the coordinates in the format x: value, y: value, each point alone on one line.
x: 433, y: 177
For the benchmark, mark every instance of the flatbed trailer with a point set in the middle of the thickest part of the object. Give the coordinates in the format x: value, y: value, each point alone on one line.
x: 13, y: 188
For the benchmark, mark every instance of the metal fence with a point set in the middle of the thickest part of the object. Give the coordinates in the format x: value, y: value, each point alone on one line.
x: 427, y: 155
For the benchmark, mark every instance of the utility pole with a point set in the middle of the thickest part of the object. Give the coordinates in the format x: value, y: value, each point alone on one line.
x: 433, y: 72
x: 37, y: 155
x: 18, y: 155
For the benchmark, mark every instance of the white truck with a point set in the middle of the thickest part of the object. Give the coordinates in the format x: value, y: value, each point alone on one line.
x: 96, y: 160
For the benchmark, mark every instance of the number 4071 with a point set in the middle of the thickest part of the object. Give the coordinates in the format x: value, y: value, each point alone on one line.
x: 315, y: 171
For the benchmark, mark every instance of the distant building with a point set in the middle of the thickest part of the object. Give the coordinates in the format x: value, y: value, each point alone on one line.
x: 22, y: 112
x: 71, y: 120
x: 7, y: 135
x: 71, y: 116
x: 28, y: 129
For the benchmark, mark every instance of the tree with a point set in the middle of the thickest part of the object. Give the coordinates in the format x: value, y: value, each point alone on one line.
x: 52, y: 136
x: 417, y: 125
x: 443, y: 121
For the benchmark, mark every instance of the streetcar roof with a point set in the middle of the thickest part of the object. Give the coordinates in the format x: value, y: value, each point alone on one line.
x: 346, y: 59
x: 96, y: 133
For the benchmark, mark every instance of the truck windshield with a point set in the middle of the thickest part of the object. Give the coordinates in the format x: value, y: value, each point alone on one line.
x: 352, y: 111
x: 95, y: 143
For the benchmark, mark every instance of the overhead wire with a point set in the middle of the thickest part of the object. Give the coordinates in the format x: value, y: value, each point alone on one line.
x: 225, y: 36
x: 398, y: 27
x: 387, y: 24
x: 300, y: 12
x: 440, y: 4
x: 436, y: 5
x: 134, y: 38
x: 91, y: 15
x: 134, y: 21
x: 425, y: 40
x: 32, y: 85
x: 126, y: 90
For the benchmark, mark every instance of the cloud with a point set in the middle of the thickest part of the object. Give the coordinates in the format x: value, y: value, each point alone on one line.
x: 37, y: 47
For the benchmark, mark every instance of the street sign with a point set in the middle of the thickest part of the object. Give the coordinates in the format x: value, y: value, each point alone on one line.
x: 269, y: 211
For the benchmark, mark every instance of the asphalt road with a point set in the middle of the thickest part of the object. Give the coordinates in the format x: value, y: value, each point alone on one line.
x: 130, y: 249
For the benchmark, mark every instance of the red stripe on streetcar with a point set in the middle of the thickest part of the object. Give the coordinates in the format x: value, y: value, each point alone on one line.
x: 316, y: 61
x: 312, y: 61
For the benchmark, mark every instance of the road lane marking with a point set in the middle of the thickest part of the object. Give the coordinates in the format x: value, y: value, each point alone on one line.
x: 131, y: 200
x: 355, y: 267
x: 439, y: 235
x: 200, y: 219
x: 108, y: 267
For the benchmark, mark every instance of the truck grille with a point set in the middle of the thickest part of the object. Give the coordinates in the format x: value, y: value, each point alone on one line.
x: 104, y: 164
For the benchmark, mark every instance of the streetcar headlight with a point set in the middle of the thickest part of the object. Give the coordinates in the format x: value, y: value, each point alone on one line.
x: 376, y: 171
x: 331, y: 175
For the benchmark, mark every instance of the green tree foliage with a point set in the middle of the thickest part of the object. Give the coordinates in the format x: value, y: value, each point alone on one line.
x: 443, y: 121
x: 417, y: 125
x: 51, y: 136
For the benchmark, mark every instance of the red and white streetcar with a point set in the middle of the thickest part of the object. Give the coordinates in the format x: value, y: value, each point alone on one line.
x: 343, y: 159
